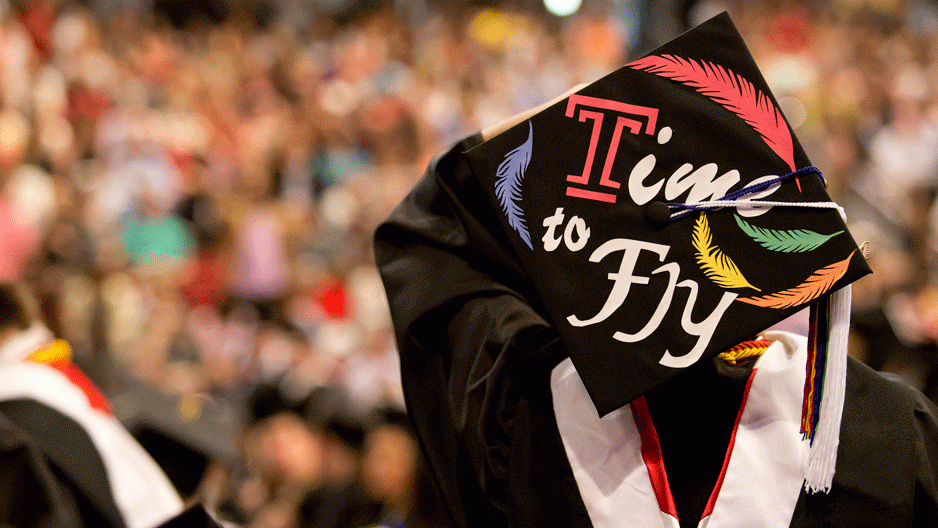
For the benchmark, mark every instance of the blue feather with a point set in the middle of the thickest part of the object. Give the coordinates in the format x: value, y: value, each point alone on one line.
x: 508, y: 185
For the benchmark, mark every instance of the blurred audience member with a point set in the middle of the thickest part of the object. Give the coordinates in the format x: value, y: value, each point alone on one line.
x: 393, y: 475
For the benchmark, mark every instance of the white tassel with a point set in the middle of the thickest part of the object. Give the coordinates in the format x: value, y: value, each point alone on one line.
x: 822, y: 456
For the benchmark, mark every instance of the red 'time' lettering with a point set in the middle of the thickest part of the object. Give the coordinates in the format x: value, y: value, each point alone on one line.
x: 605, y: 180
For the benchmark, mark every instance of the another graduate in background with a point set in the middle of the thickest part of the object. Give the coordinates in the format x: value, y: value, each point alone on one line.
x: 65, y: 460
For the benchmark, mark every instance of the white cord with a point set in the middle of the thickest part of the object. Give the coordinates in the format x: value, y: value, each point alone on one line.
x: 749, y: 204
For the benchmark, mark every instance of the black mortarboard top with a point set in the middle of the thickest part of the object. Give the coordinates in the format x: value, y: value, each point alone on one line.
x: 183, y: 433
x: 639, y: 287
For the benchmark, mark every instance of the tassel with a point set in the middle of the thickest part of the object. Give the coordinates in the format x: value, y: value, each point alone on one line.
x: 808, y: 404
x: 815, y: 369
x: 822, y: 409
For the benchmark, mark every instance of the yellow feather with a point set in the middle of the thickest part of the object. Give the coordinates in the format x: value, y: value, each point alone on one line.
x: 715, y: 264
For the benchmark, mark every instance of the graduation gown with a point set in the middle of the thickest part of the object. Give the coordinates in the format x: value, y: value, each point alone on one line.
x: 481, y: 367
x: 59, y: 480
x: 59, y: 432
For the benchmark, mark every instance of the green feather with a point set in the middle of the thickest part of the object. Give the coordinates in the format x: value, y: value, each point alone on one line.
x: 792, y: 241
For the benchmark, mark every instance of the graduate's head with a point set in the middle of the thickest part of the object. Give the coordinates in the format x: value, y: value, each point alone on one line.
x: 14, y: 310
x: 666, y: 213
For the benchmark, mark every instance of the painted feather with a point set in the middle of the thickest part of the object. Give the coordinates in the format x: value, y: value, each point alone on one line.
x: 817, y: 284
x: 508, y: 185
x: 713, y: 262
x: 731, y: 91
x: 791, y: 241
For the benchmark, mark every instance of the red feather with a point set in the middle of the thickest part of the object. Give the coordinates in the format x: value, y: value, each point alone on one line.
x: 731, y: 91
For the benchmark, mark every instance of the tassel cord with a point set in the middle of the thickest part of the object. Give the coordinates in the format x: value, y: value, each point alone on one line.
x: 734, y: 199
x: 822, y: 457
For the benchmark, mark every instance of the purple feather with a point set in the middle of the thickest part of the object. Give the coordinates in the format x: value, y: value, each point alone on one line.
x: 508, y: 185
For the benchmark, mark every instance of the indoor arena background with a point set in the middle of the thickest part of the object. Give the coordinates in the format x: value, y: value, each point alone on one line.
x: 190, y: 190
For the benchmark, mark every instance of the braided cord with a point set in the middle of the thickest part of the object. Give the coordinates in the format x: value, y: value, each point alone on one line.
x: 745, y: 350
x: 734, y: 199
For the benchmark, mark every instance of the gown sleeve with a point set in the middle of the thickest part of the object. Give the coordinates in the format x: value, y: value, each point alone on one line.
x: 468, y: 332
x: 31, y: 493
x: 926, y: 444
x: 887, y: 461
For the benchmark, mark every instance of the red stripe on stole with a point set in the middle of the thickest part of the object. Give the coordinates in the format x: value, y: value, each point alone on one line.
x: 78, y: 378
x: 651, y: 454
x: 729, y: 450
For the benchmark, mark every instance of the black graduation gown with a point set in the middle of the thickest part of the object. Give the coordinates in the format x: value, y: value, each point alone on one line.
x: 476, y: 354
x: 50, y: 472
x: 52, y: 476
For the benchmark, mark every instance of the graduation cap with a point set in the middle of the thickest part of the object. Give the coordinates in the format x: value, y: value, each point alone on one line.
x: 183, y: 433
x: 666, y: 213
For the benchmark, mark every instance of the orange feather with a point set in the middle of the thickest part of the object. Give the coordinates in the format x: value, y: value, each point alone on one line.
x: 817, y: 284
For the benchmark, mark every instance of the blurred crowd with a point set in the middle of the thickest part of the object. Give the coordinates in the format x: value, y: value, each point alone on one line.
x: 190, y: 189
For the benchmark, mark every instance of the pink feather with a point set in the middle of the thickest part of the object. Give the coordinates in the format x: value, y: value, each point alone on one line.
x: 731, y: 91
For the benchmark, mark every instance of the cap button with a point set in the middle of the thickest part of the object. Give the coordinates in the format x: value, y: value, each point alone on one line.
x: 658, y: 214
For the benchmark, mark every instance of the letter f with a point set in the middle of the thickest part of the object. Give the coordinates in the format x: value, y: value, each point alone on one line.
x: 622, y: 279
